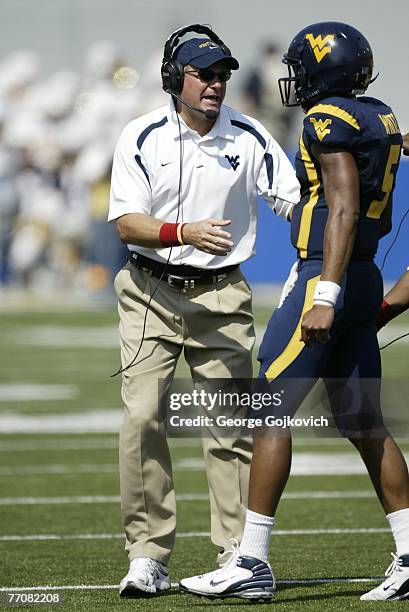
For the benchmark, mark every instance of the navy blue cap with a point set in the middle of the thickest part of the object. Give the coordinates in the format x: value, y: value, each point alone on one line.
x: 203, y: 52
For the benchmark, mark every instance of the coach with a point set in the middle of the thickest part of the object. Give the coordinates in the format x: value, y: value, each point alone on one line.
x: 185, y: 182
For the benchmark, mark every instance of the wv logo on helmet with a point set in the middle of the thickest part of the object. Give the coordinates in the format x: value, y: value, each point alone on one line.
x: 320, y: 46
x: 233, y: 161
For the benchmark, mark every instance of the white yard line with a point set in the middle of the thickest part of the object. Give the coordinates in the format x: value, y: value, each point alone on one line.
x: 45, y: 501
x: 98, y: 421
x: 22, y: 392
x: 65, y: 336
x: 328, y: 494
x: 186, y: 534
x: 194, y: 463
x: 303, y: 464
x: 87, y: 536
x: 188, y: 497
x: 94, y: 587
x: 59, y: 468
x: 7, y: 446
x: 82, y: 443
x: 84, y: 499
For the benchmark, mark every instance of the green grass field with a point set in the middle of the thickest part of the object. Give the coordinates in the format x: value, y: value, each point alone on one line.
x: 60, y: 523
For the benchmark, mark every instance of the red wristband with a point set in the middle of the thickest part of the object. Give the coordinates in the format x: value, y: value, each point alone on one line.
x: 386, y: 313
x: 168, y: 234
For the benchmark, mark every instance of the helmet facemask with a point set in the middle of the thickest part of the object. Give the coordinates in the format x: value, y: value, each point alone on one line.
x: 291, y: 85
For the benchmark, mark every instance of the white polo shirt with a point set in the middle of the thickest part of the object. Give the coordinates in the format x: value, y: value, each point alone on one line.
x: 223, y: 172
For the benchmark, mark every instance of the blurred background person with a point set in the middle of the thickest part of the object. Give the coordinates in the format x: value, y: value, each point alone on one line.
x: 260, y: 97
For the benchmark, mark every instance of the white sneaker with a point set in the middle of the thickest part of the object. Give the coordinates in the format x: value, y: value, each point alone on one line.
x: 396, y: 585
x: 244, y: 577
x: 145, y: 577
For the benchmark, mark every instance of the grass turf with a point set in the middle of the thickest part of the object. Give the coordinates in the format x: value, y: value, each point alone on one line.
x: 101, y: 562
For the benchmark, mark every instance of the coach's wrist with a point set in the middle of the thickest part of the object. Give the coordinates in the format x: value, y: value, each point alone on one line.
x: 326, y: 293
x: 187, y: 233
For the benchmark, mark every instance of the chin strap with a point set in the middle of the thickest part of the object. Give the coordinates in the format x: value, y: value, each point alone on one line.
x: 374, y: 78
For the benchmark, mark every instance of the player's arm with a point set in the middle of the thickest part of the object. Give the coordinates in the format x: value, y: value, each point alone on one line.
x: 146, y: 231
x: 395, y: 302
x: 341, y: 185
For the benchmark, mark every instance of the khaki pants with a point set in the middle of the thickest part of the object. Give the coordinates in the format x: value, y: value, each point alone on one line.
x: 213, y: 324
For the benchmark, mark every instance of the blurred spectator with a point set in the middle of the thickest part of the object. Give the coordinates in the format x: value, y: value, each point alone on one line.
x: 9, y: 204
x: 261, y: 98
x: 57, y: 138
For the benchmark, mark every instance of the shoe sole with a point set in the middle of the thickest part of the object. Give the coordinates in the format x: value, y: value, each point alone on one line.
x: 132, y: 592
x: 254, y: 596
x: 401, y: 598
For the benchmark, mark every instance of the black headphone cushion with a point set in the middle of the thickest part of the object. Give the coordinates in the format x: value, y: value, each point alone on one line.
x: 173, y: 75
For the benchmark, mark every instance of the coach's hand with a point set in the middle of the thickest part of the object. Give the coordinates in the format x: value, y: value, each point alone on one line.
x: 208, y: 236
x: 316, y: 324
x: 406, y: 144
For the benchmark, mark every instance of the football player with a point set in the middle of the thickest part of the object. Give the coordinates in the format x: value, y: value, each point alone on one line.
x: 348, y: 156
x: 396, y: 300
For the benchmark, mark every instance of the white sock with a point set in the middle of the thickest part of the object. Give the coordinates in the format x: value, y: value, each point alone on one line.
x: 256, y: 535
x: 399, y: 522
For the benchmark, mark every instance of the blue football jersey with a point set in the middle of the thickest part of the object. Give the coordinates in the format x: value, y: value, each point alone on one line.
x: 369, y: 130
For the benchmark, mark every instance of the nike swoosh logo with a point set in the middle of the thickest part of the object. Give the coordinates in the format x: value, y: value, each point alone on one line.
x: 217, y: 582
x: 388, y: 587
x: 166, y: 163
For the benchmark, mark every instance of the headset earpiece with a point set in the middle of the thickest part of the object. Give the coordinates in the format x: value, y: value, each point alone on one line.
x: 173, y: 75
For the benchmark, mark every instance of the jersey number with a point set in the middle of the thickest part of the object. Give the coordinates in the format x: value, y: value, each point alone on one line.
x: 377, y: 207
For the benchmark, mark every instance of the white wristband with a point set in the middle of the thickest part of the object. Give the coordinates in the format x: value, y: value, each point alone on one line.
x: 326, y: 293
x: 282, y: 208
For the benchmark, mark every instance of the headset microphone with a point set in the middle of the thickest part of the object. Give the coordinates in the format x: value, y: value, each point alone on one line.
x: 209, y: 114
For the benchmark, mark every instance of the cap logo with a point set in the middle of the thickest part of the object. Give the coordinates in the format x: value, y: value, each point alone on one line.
x: 321, y: 127
x: 209, y: 44
x: 320, y: 46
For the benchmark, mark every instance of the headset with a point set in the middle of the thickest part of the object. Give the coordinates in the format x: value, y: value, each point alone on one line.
x: 172, y: 71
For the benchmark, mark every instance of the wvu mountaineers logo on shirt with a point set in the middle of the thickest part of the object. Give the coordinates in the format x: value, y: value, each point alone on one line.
x: 321, y: 127
x: 233, y: 161
x: 320, y: 46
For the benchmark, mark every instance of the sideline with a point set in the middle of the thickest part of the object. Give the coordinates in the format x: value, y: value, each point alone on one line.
x: 187, y: 534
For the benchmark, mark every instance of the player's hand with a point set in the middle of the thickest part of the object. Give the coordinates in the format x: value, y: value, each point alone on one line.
x: 406, y: 144
x: 208, y: 236
x: 316, y: 324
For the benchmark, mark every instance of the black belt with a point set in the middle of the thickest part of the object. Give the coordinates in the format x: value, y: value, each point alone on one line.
x: 180, y: 277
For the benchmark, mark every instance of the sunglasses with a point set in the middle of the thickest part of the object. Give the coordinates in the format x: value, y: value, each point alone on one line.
x: 207, y: 75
